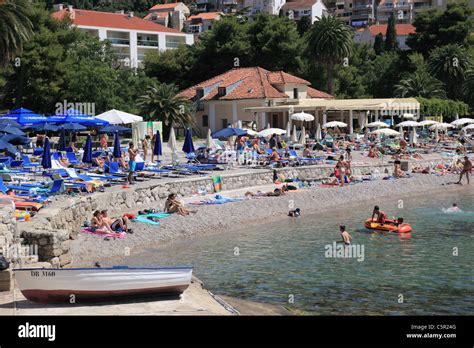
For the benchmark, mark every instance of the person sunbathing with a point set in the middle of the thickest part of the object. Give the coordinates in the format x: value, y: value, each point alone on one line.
x: 100, y: 162
x: 63, y: 161
x: 397, y: 170
x: 256, y: 147
x: 275, y: 156
x: 417, y: 156
x: 373, y: 152
x: 307, y: 153
x: 421, y: 170
x: 172, y: 205
x: 117, y: 225
x: 99, y: 225
x: 276, y: 193
x: 11, y: 194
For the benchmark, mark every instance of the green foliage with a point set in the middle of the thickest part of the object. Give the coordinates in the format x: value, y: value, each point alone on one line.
x: 420, y: 84
x: 329, y: 41
x: 445, y: 107
x: 15, y: 28
x: 378, y: 44
x: 303, y: 25
x: 382, y: 74
x: 391, y: 43
x: 435, y: 28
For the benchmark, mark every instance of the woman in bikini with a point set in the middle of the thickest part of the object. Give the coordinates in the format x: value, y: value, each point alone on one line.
x: 172, y: 205
x: 99, y: 225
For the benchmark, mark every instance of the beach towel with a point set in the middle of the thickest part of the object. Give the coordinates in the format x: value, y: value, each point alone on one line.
x: 218, y: 199
x: 157, y: 215
x: 120, y: 235
x: 144, y: 219
x: 217, y: 181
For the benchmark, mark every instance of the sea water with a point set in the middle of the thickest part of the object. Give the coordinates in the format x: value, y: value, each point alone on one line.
x: 427, y: 272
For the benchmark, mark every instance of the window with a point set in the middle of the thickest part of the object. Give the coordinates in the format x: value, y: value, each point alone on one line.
x: 225, y: 123
x: 295, y: 93
x: 205, y: 120
x: 174, y: 41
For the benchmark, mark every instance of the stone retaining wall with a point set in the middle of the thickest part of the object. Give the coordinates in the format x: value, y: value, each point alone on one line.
x: 53, y: 226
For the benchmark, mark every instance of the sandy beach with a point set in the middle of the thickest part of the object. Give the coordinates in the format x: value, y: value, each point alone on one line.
x: 223, y: 218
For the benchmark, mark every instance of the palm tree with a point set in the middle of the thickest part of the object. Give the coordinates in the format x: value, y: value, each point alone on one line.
x: 420, y: 84
x: 330, y: 41
x: 160, y: 103
x: 15, y: 28
x: 450, y: 64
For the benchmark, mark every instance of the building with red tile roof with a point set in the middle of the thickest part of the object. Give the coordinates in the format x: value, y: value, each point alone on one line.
x: 368, y: 34
x: 131, y: 37
x: 222, y: 99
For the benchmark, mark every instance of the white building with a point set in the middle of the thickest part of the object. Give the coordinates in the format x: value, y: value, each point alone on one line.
x: 177, y: 12
x: 201, y: 22
x: 368, y: 34
x: 305, y: 8
x: 131, y: 37
x: 264, y: 6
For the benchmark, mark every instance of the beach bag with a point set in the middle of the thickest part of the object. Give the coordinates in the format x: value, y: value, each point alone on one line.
x: 4, y: 264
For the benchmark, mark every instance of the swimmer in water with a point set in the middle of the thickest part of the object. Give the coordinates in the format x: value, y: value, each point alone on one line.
x: 346, y: 237
x: 295, y: 213
x: 454, y: 209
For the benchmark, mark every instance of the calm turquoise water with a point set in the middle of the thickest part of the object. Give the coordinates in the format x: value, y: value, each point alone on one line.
x: 285, y: 262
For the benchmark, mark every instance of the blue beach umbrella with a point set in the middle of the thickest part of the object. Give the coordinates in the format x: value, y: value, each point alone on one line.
x: 188, y: 146
x: 45, y: 127
x: 75, y: 116
x: 229, y: 132
x: 12, y: 130
x: 73, y: 127
x: 46, y: 160
x: 8, y: 148
x: 117, y: 151
x: 87, y: 157
x: 15, y: 139
x: 26, y: 117
x: 111, y: 129
x: 62, y: 141
x: 157, y: 149
x: 9, y: 122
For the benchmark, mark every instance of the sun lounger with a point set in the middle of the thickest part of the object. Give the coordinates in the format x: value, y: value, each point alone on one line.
x: 71, y: 157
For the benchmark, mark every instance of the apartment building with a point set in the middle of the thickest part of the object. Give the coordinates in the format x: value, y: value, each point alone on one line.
x: 301, y: 8
x: 368, y: 34
x: 169, y: 15
x: 201, y: 22
x: 131, y: 37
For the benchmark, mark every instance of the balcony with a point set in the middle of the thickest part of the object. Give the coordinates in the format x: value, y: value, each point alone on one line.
x: 194, y: 29
x: 119, y: 41
x: 147, y: 43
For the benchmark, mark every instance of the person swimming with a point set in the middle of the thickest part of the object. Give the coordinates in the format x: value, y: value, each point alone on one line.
x: 295, y: 213
x: 346, y: 237
x: 453, y: 209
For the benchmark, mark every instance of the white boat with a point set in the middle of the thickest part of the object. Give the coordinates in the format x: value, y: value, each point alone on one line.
x: 61, y: 285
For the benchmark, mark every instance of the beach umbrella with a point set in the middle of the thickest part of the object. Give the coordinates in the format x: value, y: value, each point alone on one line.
x: 26, y: 117
x: 427, y: 123
x: 76, y: 116
x: 11, y: 130
x: 173, y: 146
x: 333, y: 124
x: 62, y: 145
x: 386, y: 132
x: 119, y: 117
x: 250, y: 132
x: 9, y: 122
x: 111, y: 129
x: 72, y: 127
x: 8, y: 148
x: 117, y: 152
x: 408, y: 124
x: 45, y: 127
x: 87, y: 156
x: 294, y: 138
x: 302, y: 116
x: 413, y: 136
x: 471, y: 126
x: 270, y: 131
x: 228, y: 132
x: 303, y: 136
x: 376, y: 124
x: 46, y: 159
x: 288, y: 129
x: 158, y: 149
x: 408, y: 115
x: 318, y: 133
x: 15, y: 139
x: 462, y: 121
x: 209, y: 139
x: 188, y: 146
x: 441, y: 126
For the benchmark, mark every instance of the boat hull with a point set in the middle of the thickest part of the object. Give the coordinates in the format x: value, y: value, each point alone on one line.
x: 405, y: 228
x: 99, y: 284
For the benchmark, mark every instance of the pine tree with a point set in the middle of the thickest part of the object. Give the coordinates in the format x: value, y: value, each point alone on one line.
x: 391, y: 43
x: 170, y: 24
x: 378, y: 44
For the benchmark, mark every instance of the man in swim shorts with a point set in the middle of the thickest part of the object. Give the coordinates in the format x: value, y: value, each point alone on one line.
x: 467, y: 168
x: 381, y: 216
x: 346, y: 237
x: 132, y: 154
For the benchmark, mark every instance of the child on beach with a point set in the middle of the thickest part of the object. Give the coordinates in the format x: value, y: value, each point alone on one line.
x: 346, y: 237
x: 295, y: 213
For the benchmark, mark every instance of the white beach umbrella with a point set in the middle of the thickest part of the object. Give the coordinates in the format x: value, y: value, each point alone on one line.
x: 303, y: 136
x: 408, y: 124
x: 386, y: 132
x: 427, y: 123
x: 441, y: 126
x: 302, y: 116
x: 269, y: 131
x: 209, y: 142
x: 119, y: 117
x: 333, y: 124
x: 462, y: 121
x: 408, y: 115
x: 173, y: 146
x: 288, y: 129
x: 250, y: 132
x: 471, y: 126
x: 294, y: 138
x: 376, y: 124
x: 318, y: 133
x: 413, y: 136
